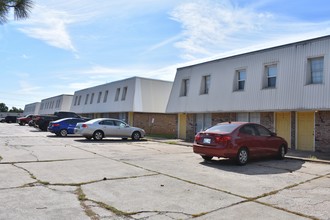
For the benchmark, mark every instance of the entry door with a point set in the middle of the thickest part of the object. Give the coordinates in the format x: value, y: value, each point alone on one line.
x: 283, y: 126
x: 182, y: 126
x: 305, y: 131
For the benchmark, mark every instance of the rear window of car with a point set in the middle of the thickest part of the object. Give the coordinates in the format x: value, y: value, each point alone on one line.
x: 223, y: 128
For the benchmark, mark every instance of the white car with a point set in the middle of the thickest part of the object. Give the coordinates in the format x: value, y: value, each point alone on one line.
x: 100, y: 128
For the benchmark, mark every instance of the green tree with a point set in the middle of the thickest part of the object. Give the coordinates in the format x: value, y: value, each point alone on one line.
x: 16, y: 110
x: 21, y: 9
x: 3, y: 107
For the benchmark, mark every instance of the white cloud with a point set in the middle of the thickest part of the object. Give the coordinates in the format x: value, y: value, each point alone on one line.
x: 213, y: 27
x: 207, y: 25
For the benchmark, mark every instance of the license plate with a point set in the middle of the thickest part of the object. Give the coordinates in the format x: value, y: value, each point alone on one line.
x: 207, y: 141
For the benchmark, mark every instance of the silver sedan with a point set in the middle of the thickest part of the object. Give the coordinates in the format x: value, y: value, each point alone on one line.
x: 100, y: 128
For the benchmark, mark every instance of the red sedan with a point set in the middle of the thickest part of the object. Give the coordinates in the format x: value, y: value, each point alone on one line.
x: 240, y: 141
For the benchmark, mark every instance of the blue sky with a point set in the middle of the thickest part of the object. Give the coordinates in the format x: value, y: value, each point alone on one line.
x: 70, y: 45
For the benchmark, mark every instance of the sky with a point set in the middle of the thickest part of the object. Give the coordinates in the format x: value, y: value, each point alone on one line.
x: 65, y: 46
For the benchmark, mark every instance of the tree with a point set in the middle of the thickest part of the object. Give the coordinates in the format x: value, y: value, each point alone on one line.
x: 21, y: 9
x: 3, y: 107
x: 16, y: 110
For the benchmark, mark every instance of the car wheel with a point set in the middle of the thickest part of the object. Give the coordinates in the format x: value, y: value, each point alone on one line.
x: 242, y: 156
x: 136, y: 136
x: 281, y: 152
x: 98, y: 135
x: 63, y: 133
x: 207, y: 158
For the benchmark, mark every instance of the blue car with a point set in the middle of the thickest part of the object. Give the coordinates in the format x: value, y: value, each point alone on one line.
x: 64, y: 126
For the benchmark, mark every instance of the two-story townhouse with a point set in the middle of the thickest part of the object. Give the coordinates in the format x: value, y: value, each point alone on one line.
x: 286, y: 88
x: 32, y: 108
x: 55, y: 103
x: 139, y: 101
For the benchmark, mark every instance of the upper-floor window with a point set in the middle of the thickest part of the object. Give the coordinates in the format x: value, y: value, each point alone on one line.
x: 205, y: 86
x: 117, y: 94
x: 271, y: 75
x: 86, y: 100
x: 123, y: 96
x: 99, y: 97
x: 92, y: 97
x: 105, y: 96
x: 79, y: 99
x: 75, y: 100
x: 184, y: 87
x: 316, y: 70
x: 241, y: 77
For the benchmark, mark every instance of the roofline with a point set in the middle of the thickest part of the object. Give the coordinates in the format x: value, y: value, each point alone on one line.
x: 126, y: 79
x: 257, y: 51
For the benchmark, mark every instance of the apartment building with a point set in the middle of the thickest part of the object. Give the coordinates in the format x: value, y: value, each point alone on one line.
x: 286, y: 88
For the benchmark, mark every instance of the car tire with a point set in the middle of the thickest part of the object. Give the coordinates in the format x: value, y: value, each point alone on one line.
x: 98, y: 135
x: 207, y: 158
x: 63, y: 133
x: 136, y: 136
x: 281, y: 152
x: 242, y: 156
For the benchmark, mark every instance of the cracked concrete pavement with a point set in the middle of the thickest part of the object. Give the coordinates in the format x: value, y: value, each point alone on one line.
x: 47, y: 177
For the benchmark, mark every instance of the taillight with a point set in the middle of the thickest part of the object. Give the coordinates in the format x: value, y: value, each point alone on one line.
x: 84, y: 126
x: 55, y: 125
x: 222, y: 139
x: 198, y: 137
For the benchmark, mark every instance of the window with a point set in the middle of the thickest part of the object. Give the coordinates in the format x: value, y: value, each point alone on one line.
x: 99, y: 97
x: 184, y: 87
x: 92, y: 97
x: 75, y: 100
x: 241, y: 77
x: 117, y: 94
x: 79, y: 99
x: 262, y: 131
x: 123, y: 96
x: 86, y: 100
x: 206, y: 81
x: 316, y: 70
x: 271, y: 74
x: 105, y: 96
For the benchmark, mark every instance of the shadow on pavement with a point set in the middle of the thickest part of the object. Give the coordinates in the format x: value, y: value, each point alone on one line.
x: 256, y: 167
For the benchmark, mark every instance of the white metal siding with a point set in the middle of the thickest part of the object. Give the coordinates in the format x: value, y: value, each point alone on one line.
x: 143, y: 95
x: 291, y: 92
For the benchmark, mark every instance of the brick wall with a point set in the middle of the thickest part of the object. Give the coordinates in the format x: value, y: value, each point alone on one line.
x: 322, y: 131
x: 153, y: 123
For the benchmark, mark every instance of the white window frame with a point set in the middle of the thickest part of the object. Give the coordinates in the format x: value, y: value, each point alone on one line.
x: 205, y: 85
x: 184, y: 87
x: 311, y: 72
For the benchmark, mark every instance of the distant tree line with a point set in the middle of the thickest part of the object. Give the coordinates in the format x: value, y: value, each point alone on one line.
x: 4, y: 108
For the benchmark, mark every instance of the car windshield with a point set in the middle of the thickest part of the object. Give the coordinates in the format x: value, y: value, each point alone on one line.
x: 223, y: 128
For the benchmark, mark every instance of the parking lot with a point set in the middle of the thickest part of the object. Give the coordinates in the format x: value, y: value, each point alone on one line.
x: 48, y: 177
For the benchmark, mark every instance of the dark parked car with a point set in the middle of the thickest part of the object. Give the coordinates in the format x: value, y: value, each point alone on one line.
x: 24, y: 120
x: 11, y: 119
x: 65, y: 126
x: 240, y: 141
